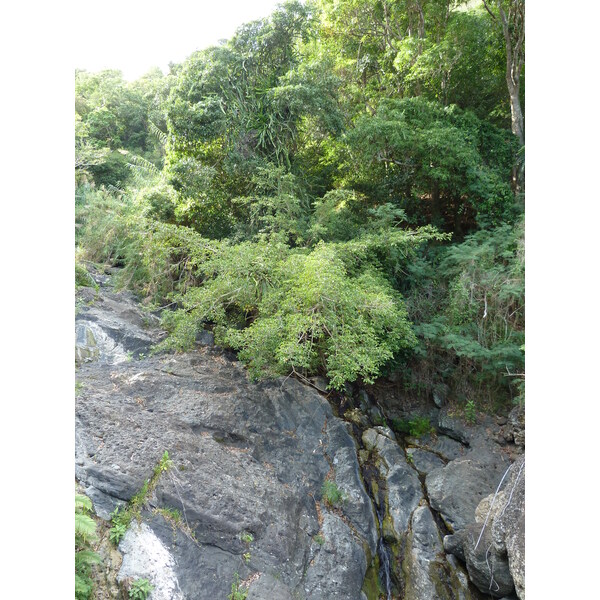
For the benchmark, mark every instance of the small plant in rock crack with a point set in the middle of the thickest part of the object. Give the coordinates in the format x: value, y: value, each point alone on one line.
x: 470, y: 413
x: 319, y: 539
x: 169, y: 514
x: 246, y: 537
x: 237, y: 592
x: 121, y: 519
x: 140, y: 589
x: 415, y: 427
x: 246, y: 557
x: 332, y: 495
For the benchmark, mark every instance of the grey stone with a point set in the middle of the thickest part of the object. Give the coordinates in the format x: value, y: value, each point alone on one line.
x: 453, y: 426
x: 456, y: 489
x: 246, y: 457
x: 488, y: 570
x: 205, y: 338
x: 424, y: 461
x: 508, y: 526
x: 445, y: 447
x: 113, y: 328
x: 146, y: 557
x: 338, y: 569
x: 266, y: 587
x: 516, y: 423
x: 423, y: 547
x: 494, y: 547
x: 426, y: 571
x: 404, y: 490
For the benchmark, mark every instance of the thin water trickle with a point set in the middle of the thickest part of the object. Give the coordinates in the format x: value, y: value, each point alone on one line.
x: 384, y: 559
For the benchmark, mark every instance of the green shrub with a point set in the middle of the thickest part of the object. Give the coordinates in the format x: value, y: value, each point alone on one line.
x: 415, y: 427
x: 331, y: 493
x: 470, y: 413
x: 83, y: 277
x: 468, y: 303
x: 295, y: 311
x: 140, y: 589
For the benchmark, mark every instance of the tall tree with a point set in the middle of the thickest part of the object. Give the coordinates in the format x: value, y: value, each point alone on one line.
x: 510, y: 16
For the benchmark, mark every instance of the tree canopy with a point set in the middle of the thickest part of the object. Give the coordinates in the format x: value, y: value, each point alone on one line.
x: 336, y: 190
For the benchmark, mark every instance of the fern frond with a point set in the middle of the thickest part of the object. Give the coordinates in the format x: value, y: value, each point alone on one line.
x: 160, y: 135
x: 82, y: 502
x: 84, y: 558
x: 84, y: 587
x: 141, y: 163
x: 85, y: 527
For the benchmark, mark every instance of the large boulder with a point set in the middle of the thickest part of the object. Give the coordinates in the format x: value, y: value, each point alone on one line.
x: 427, y: 573
x: 457, y: 488
x: 493, y: 548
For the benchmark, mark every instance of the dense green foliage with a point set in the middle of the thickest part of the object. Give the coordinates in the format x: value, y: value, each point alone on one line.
x: 331, y: 191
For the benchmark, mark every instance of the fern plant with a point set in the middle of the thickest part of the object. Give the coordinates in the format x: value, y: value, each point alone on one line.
x: 140, y: 589
x: 85, y: 557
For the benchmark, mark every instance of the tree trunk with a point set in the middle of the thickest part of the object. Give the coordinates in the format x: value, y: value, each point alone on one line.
x: 436, y: 206
x: 513, y: 30
x: 516, y: 115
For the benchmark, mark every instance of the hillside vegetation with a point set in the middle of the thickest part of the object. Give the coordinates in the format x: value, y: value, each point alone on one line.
x: 337, y: 190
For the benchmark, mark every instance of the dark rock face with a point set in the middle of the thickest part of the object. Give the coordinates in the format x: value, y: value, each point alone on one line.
x: 246, y: 458
x: 516, y: 422
x: 487, y: 570
x: 456, y: 489
x: 248, y: 465
x: 494, y: 547
x: 111, y: 328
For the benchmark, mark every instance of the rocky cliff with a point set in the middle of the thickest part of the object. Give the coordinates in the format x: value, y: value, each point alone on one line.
x: 273, y: 488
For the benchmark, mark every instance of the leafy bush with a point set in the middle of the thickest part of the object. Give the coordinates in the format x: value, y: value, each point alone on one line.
x: 295, y: 311
x: 434, y: 158
x: 469, y: 305
x: 83, y: 277
x: 415, y: 427
x: 140, y: 589
x: 102, y: 220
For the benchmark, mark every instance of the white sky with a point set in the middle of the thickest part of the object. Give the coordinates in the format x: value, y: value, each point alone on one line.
x: 136, y: 35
